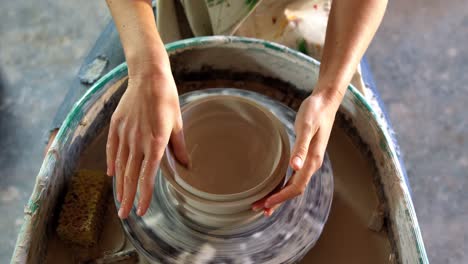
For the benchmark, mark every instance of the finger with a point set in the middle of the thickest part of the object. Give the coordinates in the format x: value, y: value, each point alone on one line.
x: 146, y: 185
x: 301, y: 178
x: 130, y: 183
x: 314, y: 157
x: 292, y: 190
x: 120, y: 164
x: 270, y: 211
x: 112, y: 148
x: 260, y: 204
x: 178, y: 145
x: 147, y: 179
x: 304, y: 133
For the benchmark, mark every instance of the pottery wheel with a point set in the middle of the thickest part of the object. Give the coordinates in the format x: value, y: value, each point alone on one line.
x: 165, y: 236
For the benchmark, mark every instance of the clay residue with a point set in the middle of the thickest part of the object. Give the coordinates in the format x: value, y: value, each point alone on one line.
x: 94, y: 156
x: 112, y: 237
x: 346, y: 237
x: 233, y: 145
x: 111, y: 240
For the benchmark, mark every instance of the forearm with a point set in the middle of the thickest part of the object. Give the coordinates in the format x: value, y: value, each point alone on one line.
x: 351, y: 27
x: 143, y: 47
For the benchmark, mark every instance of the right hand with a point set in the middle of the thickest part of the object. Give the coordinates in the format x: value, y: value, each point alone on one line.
x: 146, y: 119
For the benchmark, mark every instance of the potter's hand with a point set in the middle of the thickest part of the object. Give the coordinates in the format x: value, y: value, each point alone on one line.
x: 313, y: 125
x: 348, y: 35
x: 147, y: 117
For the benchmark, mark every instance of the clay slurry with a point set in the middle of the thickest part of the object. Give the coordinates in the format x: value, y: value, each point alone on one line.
x: 233, y: 144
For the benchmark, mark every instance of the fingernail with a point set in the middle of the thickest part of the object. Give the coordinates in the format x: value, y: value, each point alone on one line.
x: 297, y: 162
x: 256, y: 208
x: 121, y: 213
x: 139, y: 211
x: 119, y: 197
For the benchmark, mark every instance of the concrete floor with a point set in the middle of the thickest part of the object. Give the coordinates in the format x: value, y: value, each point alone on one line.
x: 419, y: 60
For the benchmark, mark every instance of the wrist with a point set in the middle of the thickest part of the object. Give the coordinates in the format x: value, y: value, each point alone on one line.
x: 146, y: 54
x: 150, y: 73
x: 330, y: 93
x: 146, y: 63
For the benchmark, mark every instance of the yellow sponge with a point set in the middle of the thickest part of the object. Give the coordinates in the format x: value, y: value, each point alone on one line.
x: 83, y: 209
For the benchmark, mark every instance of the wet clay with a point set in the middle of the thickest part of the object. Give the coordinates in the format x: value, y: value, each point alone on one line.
x: 94, y: 156
x: 346, y: 237
x: 233, y: 145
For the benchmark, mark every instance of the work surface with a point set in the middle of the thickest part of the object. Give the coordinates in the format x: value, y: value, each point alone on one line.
x: 419, y: 60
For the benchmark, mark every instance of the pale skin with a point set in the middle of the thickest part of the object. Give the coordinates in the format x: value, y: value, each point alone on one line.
x: 148, y: 117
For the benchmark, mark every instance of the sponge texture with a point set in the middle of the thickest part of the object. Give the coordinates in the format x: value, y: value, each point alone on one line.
x: 83, y: 209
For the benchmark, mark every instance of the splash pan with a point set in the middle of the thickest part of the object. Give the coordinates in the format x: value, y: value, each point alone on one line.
x: 166, y: 235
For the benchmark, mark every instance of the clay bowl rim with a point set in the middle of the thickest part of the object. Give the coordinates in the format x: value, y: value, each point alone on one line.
x: 242, y: 216
x: 219, y: 223
x: 284, y: 149
x: 226, y: 207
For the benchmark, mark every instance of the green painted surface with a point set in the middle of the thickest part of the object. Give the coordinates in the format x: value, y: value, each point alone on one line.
x: 32, y: 205
x: 251, y: 3
x: 302, y: 46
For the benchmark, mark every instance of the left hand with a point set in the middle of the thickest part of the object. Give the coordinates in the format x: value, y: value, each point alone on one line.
x: 313, y: 125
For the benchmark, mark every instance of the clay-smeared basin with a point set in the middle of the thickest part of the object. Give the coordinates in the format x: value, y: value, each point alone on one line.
x: 371, y: 195
x: 183, y: 220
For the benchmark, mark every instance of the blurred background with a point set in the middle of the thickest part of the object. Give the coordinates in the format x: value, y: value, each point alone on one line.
x: 420, y: 63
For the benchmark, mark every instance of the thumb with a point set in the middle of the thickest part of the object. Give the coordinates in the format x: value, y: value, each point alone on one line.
x: 178, y: 144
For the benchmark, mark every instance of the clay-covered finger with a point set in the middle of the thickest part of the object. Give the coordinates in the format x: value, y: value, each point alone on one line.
x: 260, y: 204
x: 147, y: 179
x: 270, y: 211
x: 132, y: 172
x: 298, y: 182
x: 315, y: 156
x: 120, y: 164
x: 146, y: 185
x: 111, y: 149
x: 292, y: 189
